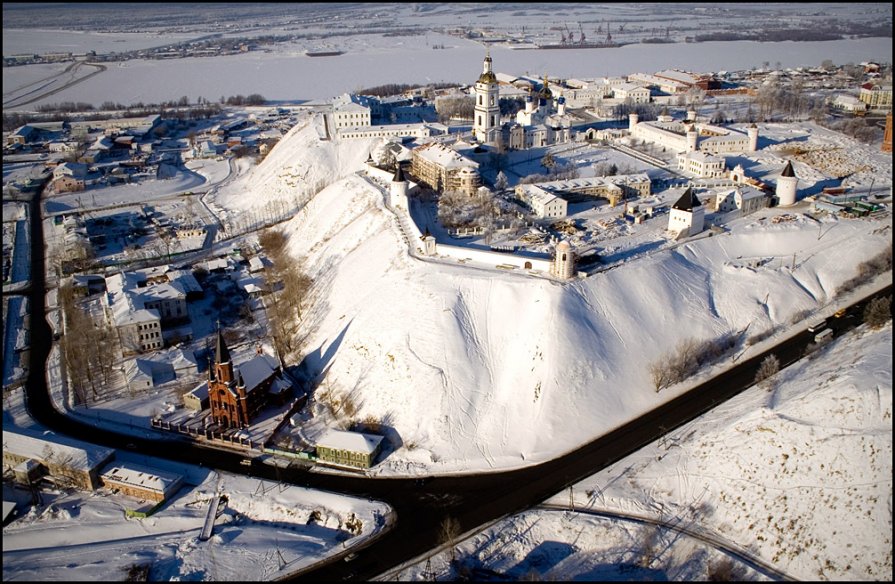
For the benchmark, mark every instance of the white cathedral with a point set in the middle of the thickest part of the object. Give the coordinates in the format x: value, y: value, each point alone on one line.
x: 541, y: 123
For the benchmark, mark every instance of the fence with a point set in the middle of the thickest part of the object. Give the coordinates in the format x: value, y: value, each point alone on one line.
x: 203, y: 433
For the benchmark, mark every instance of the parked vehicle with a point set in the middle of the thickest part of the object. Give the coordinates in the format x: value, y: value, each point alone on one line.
x: 817, y: 326
x: 823, y: 336
x: 839, y: 313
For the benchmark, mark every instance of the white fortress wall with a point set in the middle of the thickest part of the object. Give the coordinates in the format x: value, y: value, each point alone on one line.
x: 494, y: 258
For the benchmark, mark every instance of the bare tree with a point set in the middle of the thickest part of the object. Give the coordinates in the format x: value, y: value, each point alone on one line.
x: 288, y: 288
x: 449, y: 532
x: 724, y: 571
x: 769, y: 367
x: 500, y: 183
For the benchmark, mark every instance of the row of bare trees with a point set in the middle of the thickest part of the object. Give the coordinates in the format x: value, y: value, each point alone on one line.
x: 288, y: 287
x: 274, y: 211
x: 87, y: 348
x: 688, y: 358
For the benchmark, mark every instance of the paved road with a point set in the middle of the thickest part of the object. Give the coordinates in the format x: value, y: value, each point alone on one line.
x: 420, y: 508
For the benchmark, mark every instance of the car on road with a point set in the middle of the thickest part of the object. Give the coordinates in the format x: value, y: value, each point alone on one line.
x: 814, y: 327
x: 823, y: 336
x: 839, y: 313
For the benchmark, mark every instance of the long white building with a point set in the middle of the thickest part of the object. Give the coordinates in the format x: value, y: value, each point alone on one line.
x: 691, y: 135
x: 540, y: 196
x: 352, y: 111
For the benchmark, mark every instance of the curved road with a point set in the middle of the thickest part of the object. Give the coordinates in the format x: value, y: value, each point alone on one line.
x: 420, y: 508
x: 709, y: 539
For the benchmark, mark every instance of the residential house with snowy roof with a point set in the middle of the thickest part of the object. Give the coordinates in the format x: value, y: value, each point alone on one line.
x: 353, y: 449
x: 139, y: 304
x: 68, y: 461
x: 876, y: 96
x: 141, y: 482
x: 745, y: 199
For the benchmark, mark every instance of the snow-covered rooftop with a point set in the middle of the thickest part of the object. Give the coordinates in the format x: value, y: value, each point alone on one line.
x: 351, y: 441
x: 134, y: 475
x: 77, y: 454
x: 257, y: 370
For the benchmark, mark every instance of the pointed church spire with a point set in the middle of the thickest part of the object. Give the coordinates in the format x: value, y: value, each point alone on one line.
x: 399, y: 173
x: 222, y: 353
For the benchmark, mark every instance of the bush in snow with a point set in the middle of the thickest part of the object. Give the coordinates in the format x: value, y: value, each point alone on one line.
x: 878, y: 312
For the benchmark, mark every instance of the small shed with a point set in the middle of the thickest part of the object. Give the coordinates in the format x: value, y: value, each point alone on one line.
x: 197, y: 399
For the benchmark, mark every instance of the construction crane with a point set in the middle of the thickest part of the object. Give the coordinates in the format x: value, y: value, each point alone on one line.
x: 581, y: 39
x: 570, y: 33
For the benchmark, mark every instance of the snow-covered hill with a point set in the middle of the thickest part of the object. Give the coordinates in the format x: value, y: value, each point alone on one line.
x: 476, y: 369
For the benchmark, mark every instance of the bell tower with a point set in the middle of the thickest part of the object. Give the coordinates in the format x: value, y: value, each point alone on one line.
x: 486, y: 125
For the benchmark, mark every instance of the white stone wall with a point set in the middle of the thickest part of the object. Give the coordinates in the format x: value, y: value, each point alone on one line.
x: 492, y: 258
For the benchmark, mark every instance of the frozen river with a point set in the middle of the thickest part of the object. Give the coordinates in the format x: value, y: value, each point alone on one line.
x: 287, y: 74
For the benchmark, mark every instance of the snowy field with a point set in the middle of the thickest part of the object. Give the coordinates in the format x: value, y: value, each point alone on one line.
x: 798, y: 476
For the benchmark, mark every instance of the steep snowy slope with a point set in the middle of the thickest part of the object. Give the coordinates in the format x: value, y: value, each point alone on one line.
x: 471, y: 368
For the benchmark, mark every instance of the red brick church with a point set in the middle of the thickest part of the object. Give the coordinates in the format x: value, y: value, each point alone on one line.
x: 237, y: 394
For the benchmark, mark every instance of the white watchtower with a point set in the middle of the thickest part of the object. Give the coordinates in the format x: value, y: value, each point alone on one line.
x: 752, y: 131
x: 787, y: 185
x: 398, y: 190
x: 563, y: 261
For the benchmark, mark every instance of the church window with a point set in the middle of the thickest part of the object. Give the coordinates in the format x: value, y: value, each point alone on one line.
x: 480, y: 100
